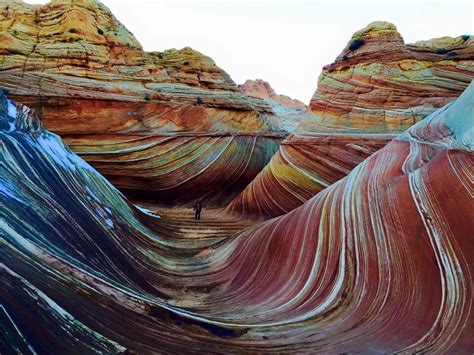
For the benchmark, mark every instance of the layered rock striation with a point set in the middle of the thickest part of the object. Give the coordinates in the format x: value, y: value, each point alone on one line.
x: 90, y: 81
x: 380, y: 84
x: 377, y: 87
x: 386, y: 250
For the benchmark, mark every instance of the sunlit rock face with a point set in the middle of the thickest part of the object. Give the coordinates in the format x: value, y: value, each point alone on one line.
x: 90, y: 81
x: 377, y: 87
x: 386, y: 250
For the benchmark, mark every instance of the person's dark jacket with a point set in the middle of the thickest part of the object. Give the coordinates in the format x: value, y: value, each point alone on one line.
x: 197, y: 206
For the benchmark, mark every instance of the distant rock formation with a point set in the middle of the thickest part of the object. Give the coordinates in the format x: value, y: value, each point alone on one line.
x: 377, y: 87
x: 159, y: 125
x: 289, y: 111
x: 262, y: 89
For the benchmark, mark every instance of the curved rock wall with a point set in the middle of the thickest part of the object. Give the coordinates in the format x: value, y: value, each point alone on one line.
x: 380, y: 261
x: 377, y: 87
x: 84, y: 73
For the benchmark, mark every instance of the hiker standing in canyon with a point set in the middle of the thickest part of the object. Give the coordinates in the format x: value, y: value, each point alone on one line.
x: 197, y: 209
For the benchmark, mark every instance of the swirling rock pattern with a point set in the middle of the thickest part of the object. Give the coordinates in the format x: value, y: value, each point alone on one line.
x: 77, y: 259
x: 177, y: 169
x: 84, y: 73
x: 377, y: 87
x: 302, y: 167
x: 391, y: 260
x: 380, y: 261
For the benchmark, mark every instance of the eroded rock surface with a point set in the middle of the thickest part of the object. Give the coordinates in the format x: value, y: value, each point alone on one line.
x: 380, y: 84
x: 386, y: 250
x: 377, y: 87
x: 90, y: 81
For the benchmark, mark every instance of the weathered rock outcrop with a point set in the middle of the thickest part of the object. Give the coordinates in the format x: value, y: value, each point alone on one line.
x: 289, y: 111
x: 89, y: 79
x: 386, y: 250
x: 66, y: 53
x: 380, y: 84
x: 376, y: 88
x: 262, y: 89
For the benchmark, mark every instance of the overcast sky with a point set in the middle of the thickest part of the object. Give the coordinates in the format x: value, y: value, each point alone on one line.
x: 285, y: 42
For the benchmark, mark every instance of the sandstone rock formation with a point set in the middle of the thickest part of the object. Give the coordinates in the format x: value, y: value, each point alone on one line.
x: 377, y: 87
x: 289, y: 111
x: 386, y: 250
x: 262, y: 89
x: 301, y: 168
x: 380, y: 84
x: 88, y: 78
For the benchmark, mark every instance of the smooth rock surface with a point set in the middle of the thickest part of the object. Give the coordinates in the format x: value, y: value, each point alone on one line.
x: 386, y: 250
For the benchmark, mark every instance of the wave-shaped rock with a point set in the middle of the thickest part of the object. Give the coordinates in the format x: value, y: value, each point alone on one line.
x: 380, y: 261
x: 384, y: 251
x: 80, y: 268
x: 302, y: 167
x: 89, y: 79
x: 178, y: 169
x: 377, y: 87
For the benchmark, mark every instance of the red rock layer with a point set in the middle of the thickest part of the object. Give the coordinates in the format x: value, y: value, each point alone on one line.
x: 301, y: 167
x: 84, y: 73
x: 380, y: 261
x: 377, y: 86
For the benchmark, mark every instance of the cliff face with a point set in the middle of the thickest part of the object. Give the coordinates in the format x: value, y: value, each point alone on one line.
x: 378, y: 86
x: 90, y: 81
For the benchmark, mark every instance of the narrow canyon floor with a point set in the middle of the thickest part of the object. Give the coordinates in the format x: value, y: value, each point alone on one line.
x: 214, y: 226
